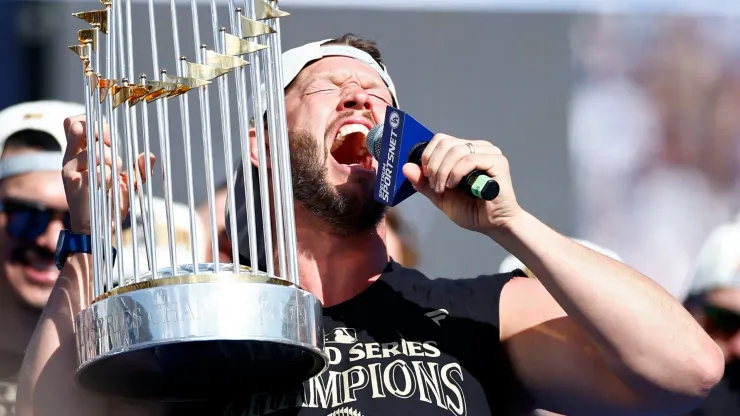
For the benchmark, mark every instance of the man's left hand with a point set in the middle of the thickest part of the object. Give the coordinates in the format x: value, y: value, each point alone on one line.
x: 445, y: 162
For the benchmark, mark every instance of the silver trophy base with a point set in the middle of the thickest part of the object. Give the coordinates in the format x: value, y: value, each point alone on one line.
x: 200, y: 335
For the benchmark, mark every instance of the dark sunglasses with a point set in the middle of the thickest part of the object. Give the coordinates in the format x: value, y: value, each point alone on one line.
x: 723, y: 320
x: 28, y: 220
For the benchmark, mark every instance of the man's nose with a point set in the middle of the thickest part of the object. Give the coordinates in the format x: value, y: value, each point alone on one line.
x: 48, y: 239
x: 354, y: 98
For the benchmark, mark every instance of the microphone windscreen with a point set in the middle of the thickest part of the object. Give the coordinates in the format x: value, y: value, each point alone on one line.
x: 373, y: 142
x: 391, y: 143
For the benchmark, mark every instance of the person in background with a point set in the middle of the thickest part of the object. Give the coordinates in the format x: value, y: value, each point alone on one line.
x: 33, y: 209
x: 511, y: 263
x: 183, y: 243
x: 714, y: 301
x: 400, y: 240
x: 224, y: 244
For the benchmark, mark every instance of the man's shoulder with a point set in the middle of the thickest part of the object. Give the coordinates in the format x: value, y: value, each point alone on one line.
x: 413, y: 281
x: 466, y: 297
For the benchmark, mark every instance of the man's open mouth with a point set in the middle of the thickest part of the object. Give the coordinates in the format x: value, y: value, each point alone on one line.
x: 348, y: 147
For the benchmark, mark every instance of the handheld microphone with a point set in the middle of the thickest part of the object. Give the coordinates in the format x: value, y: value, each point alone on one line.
x: 386, y: 143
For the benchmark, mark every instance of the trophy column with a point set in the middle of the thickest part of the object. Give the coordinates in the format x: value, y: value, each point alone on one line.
x: 180, y: 328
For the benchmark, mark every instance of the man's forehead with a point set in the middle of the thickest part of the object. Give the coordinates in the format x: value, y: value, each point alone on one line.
x: 340, y: 67
x: 42, y: 187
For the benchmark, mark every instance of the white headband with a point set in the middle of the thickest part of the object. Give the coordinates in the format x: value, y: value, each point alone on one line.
x: 30, y: 162
x: 296, y: 59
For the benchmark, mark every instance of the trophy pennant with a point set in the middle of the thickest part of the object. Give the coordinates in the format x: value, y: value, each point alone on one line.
x: 235, y: 45
x: 264, y: 11
x: 97, y: 18
x: 251, y: 28
x: 203, y: 72
x: 222, y: 61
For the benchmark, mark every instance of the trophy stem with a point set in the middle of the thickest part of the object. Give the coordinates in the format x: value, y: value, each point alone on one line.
x: 131, y: 177
x: 134, y: 167
x: 243, y: 127
x: 153, y: 40
x: 111, y: 62
x: 92, y: 179
x: 226, y: 138
x: 104, y: 208
x: 205, y: 123
x: 113, y: 123
x: 163, y: 130
x: 151, y: 236
x: 277, y: 168
x: 223, y: 93
x: 129, y: 44
x: 246, y: 146
x: 274, y: 50
x: 259, y: 126
x: 184, y: 111
x: 164, y: 146
x: 97, y: 129
x: 130, y: 159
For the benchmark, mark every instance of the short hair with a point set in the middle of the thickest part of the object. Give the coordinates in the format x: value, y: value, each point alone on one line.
x: 364, y: 45
x: 31, y: 139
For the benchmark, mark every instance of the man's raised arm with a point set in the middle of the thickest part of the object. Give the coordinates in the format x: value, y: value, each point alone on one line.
x: 591, y: 336
x: 47, y: 383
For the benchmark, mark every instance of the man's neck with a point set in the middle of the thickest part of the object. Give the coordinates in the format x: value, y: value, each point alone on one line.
x: 337, y: 268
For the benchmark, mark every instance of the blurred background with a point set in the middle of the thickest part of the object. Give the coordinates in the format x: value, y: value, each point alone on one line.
x: 620, y: 119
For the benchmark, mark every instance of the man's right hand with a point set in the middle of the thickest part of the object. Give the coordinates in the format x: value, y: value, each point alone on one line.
x: 75, y: 172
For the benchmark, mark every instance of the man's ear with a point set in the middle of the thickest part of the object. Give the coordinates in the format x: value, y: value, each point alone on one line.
x: 254, y: 150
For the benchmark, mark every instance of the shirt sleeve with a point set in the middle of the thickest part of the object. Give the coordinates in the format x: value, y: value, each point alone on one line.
x: 473, y: 331
x: 475, y: 298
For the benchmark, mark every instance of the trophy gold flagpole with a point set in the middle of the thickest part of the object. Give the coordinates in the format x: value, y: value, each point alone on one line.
x: 196, y: 71
x: 243, y: 111
x: 259, y: 126
x: 184, y: 117
x: 161, y: 90
x: 278, y: 125
x: 180, y: 327
x: 223, y: 94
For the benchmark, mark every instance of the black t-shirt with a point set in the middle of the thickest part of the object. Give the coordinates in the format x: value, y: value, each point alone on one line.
x: 408, y: 345
x: 10, y: 366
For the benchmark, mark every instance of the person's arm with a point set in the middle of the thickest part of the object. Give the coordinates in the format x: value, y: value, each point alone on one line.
x: 594, y: 336
x: 46, y: 385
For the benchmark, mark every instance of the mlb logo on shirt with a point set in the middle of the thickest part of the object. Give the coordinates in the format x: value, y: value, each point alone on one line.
x: 341, y: 336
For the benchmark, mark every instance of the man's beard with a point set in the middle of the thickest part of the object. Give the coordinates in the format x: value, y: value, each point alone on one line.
x: 341, y: 213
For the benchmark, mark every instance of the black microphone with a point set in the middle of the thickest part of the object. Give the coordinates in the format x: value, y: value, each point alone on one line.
x: 476, y: 184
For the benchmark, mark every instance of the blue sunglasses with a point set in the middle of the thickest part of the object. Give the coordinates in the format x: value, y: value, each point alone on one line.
x: 28, y: 220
